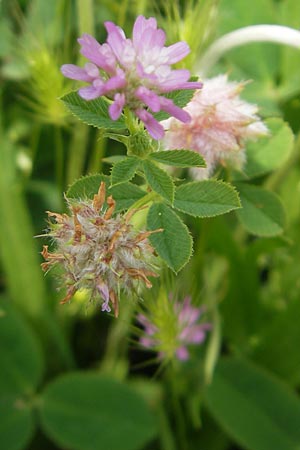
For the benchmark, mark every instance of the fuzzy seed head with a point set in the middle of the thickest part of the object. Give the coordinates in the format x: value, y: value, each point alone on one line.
x: 221, y: 125
x: 99, y: 252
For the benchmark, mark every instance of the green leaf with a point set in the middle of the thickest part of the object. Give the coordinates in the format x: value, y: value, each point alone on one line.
x: 174, y: 243
x: 125, y: 195
x: 271, y: 152
x: 262, y: 212
x: 179, y: 158
x: 21, y: 359
x: 124, y: 170
x: 16, y: 424
x: 284, y: 357
x: 180, y: 98
x: 206, y: 198
x: 256, y: 410
x: 159, y: 180
x: 91, y: 412
x: 92, y: 112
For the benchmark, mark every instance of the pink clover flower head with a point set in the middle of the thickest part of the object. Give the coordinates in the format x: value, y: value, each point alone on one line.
x: 134, y: 72
x: 99, y: 251
x: 221, y: 124
x: 171, y: 332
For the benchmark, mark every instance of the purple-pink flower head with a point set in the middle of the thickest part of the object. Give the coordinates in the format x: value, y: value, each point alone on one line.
x: 221, y: 124
x: 171, y: 327
x: 134, y: 72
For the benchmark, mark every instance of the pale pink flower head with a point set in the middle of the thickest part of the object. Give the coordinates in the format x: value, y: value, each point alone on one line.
x: 221, y: 124
x: 170, y: 329
x: 99, y: 251
x: 134, y: 72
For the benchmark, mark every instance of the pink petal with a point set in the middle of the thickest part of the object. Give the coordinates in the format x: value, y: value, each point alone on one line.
x: 92, y: 70
x: 117, y: 82
x: 116, y: 108
x: 154, y: 128
x: 148, y: 97
x: 116, y: 39
x: 91, y: 49
x: 177, y: 51
x: 75, y: 73
x: 168, y: 106
x: 89, y: 93
x: 182, y: 353
x: 140, y: 25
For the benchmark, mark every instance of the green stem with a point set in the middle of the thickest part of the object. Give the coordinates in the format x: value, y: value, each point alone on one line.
x: 213, y: 347
x: 166, y: 433
x: 115, y: 360
x: 59, y: 158
x: 122, y: 13
x: 77, y: 152
x: 179, y: 417
x: 131, y: 121
x: 147, y: 199
x: 85, y: 16
x: 95, y: 163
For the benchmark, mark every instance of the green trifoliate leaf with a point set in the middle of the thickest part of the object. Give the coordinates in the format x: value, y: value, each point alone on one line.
x: 262, y: 212
x: 257, y: 410
x: 125, y: 194
x: 93, y: 112
x: 179, y: 158
x: 269, y: 153
x: 206, y: 198
x: 78, y: 409
x: 174, y: 243
x: 159, y: 180
x: 124, y: 170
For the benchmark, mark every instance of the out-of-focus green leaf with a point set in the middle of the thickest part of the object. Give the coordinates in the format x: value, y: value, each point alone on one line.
x: 93, y: 112
x: 206, y: 198
x: 174, y: 243
x: 271, y: 152
x: 258, y: 61
x: 262, y: 212
x: 18, y: 249
x: 20, y: 355
x: 16, y: 424
x: 91, y: 412
x: 256, y: 410
x: 278, y: 344
x: 159, y: 180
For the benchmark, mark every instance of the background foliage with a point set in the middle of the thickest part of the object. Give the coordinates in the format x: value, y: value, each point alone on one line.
x: 73, y: 377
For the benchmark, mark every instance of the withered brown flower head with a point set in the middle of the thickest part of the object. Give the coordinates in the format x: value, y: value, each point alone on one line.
x: 99, y: 252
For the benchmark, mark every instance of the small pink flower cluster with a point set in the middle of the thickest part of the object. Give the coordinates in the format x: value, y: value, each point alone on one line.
x: 134, y: 72
x: 221, y: 124
x: 171, y: 336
